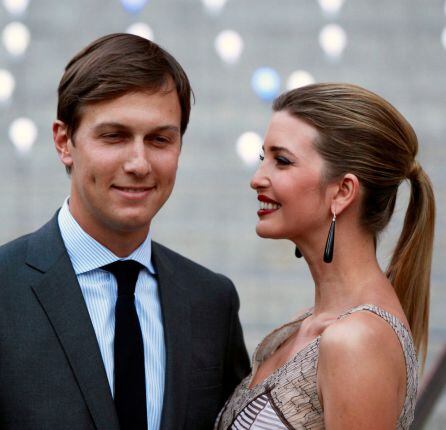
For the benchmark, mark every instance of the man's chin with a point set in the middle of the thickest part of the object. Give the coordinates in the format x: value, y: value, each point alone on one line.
x: 128, y: 224
x: 132, y: 226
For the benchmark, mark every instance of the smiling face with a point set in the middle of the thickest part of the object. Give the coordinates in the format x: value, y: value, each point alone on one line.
x: 123, y: 159
x: 288, y: 181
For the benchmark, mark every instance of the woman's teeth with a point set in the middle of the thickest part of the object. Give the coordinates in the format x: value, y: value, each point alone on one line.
x: 269, y: 206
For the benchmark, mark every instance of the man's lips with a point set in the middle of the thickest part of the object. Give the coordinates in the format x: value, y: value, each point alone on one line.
x: 267, y: 205
x: 133, y: 192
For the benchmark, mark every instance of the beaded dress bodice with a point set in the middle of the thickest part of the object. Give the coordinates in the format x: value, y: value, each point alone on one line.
x: 288, y: 398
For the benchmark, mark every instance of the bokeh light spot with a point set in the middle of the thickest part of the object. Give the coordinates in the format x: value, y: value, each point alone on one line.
x: 16, y: 38
x: 333, y: 40
x: 229, y: 46
x: 248, y: 147
x: 141, y: 29
x: 331, y: 7
x: 16, y: 7
x: 299, y: 78
x: 133, y: 6
x: 214, y: 7
x: 266, y: 83
x: 7, y: 85
x: 23, y: 134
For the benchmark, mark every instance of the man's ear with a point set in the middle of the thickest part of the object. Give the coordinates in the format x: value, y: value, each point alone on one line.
x: 347, y: 193
x: 63, y: 143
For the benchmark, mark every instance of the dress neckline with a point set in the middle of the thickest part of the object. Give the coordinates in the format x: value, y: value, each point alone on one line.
x: 298, y: 321
x: 265, y: 381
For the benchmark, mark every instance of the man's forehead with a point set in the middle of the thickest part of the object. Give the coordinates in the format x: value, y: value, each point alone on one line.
x: 131, y: 104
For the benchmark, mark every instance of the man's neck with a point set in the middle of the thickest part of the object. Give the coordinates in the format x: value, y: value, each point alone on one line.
x: 122, y: 243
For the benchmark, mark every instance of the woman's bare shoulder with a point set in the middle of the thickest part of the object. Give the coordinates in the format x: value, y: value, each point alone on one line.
x: 361, y: 371
x: 358, y: 326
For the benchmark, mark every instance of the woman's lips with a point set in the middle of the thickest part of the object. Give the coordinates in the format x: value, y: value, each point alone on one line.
x: 267, y: 205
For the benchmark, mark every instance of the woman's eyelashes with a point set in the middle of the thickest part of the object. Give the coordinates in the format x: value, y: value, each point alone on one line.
x: 280, y: 159
x: 283, y: 161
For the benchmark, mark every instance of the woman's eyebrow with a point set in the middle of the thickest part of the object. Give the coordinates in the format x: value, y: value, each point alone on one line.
x: 281, y: 149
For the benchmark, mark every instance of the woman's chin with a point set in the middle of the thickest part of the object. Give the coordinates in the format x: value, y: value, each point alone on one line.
x: 266, y: 233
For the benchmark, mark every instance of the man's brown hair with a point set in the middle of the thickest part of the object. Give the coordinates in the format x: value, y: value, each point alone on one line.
x: 114, y: 65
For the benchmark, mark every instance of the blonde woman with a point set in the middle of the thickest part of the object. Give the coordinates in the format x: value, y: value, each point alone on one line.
x: 334, y: 157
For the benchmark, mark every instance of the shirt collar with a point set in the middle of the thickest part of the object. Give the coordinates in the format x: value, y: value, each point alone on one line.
x: 87, y: 254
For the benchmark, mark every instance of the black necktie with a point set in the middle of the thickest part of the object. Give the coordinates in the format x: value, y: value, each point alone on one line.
x: 130, y: 386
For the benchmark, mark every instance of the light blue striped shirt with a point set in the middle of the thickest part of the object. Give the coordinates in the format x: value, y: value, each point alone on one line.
x: 99, y: 289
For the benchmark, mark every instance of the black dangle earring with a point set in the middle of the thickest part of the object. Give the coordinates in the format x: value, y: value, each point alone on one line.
x: 329, y: 246
x: 297, y: 252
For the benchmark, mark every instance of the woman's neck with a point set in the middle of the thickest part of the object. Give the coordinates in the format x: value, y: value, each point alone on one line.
x: 352, y: 278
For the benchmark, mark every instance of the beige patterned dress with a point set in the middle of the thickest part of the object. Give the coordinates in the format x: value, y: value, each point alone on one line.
x: 288, y: 398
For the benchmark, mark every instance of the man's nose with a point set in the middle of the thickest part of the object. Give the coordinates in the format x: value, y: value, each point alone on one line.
x: 138, y: 160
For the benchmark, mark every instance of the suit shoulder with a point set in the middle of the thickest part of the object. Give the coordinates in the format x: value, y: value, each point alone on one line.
x: 196, y: 270
x: 14, y: 249
x: 18, y: 248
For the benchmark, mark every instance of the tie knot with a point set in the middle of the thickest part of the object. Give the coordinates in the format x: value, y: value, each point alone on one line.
x: 126, y: 273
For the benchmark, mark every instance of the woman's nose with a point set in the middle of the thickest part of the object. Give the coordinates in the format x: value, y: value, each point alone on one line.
x: 259, y: 180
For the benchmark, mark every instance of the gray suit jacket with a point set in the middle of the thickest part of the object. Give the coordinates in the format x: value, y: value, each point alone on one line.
x: 51, y: 371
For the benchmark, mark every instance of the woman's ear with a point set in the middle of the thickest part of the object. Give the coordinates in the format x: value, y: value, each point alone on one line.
x: 62, y: 142
x: 347, y: 193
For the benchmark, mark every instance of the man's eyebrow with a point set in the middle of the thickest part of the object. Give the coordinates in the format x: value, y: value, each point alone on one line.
x: 161, y: 128
x: 119, y: 126
x: 102, y: 125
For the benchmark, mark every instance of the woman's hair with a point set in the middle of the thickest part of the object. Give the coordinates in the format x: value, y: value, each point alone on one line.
x: 361, y: 133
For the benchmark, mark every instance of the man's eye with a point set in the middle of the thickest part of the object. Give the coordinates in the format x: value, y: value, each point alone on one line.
x: 160, y: 139
x: 112, y: 136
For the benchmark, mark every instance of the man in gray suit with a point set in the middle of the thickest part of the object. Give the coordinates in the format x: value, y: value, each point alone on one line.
x: 100, y: 327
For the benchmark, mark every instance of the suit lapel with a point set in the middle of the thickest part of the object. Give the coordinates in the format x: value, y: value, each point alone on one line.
x: 177, y: 333
x: 59, y: 294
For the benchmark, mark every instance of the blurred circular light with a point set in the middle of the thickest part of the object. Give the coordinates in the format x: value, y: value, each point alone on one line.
x: 214, y: 6
x: 16, y: 7
x: 141, y: 29
x: 333, y: 40
x: 248, y: 147
x: 299, y: 78
x: 443, y: 38
x: 133, y: 6
x: 7, y: 85
x: 331, y: 7
x: 266, y: 83
x: 23, y: 134
x: 229, y: 46
x: 16, y: 38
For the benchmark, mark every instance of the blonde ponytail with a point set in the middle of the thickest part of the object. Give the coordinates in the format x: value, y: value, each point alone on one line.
x: 410, y: 267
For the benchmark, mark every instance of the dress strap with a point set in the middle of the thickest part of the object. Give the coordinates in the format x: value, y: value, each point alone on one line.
x: 391, y: 319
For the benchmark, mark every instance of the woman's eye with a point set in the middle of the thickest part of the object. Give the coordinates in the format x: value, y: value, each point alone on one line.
x: 261, y: 157
x: 283, y: 161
